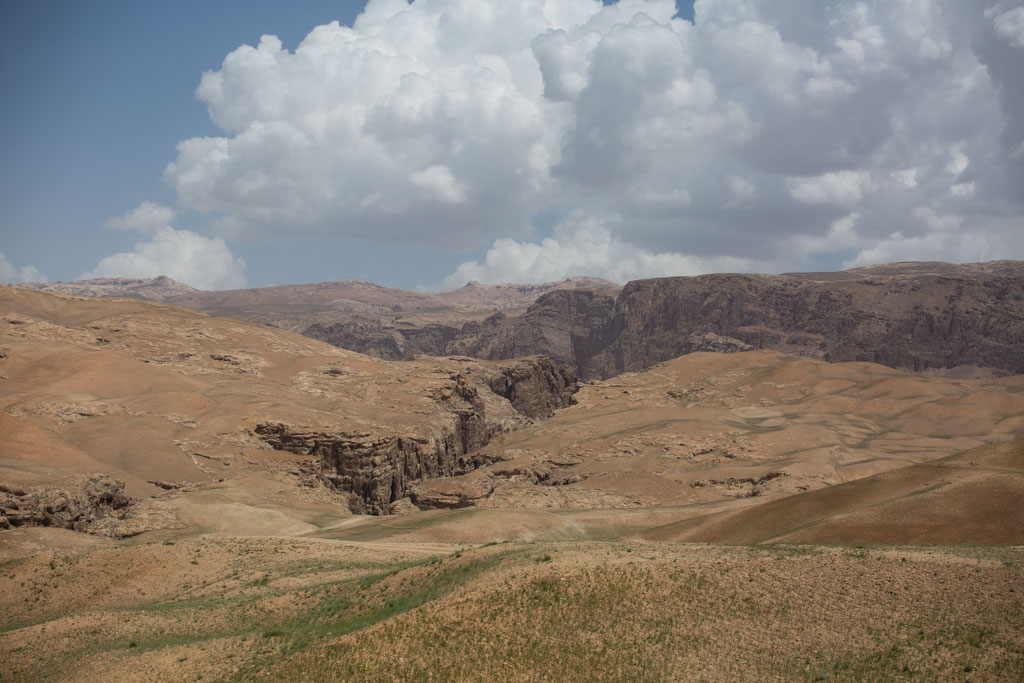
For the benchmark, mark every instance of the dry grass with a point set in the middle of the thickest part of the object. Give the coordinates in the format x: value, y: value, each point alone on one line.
x: 315, y: 610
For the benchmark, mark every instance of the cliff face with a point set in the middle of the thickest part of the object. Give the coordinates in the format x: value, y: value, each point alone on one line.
x: 566, y: 324
x: 369, y: 335
x: 908, y: 323
x: 559, y: 325
x: 380, y: 470
x: 913, y: 321
x: 535, y: 387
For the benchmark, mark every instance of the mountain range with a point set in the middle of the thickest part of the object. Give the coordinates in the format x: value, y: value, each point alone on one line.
x: 957, y: 319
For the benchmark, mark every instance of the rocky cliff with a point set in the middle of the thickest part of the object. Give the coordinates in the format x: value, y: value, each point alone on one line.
x: 917, y: 318
x: 380, y: 470
x: 908, y: 322
x: 373, y: 336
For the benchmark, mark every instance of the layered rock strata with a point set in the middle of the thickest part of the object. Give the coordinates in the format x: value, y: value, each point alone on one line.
x: 379, y: 470
x: 912, y: 320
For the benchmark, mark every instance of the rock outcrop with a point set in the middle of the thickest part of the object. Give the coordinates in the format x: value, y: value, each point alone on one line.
x: 380, y: 470
x: 95, y: 505
x: 920, y: 318
x: 535, y: 386
x: 908, y: 322
x: 370, y: 335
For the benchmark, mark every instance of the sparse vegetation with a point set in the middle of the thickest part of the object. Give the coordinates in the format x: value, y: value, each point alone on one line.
x: 552, y: 610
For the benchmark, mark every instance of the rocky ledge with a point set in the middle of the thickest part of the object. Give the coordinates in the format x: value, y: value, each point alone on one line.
x: 379, y: 470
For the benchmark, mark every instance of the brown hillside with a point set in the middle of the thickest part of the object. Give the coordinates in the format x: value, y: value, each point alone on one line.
x: 166, y: 398
x: 971, y: 497
x: 710, y: 430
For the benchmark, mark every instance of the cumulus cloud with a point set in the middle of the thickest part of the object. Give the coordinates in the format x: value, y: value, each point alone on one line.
x: 183, y: 255
x: 749, y: 131
x: 186, y: 256
x: 581, y: 245
x: 845, y: 188
x: 147, y: 218
x: 933, y: 236
x: 10, y: 274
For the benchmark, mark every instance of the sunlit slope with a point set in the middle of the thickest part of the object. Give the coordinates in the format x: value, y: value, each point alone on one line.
x: 972, y: 497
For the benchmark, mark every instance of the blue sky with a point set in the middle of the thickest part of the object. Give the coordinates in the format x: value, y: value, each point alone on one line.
x: 99, y: 93
x: 809, y: 137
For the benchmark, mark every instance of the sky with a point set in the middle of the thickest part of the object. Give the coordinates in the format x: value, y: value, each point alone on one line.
x: 425, y: 144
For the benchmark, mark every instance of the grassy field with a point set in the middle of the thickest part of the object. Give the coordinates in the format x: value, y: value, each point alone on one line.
x: 288, y: 609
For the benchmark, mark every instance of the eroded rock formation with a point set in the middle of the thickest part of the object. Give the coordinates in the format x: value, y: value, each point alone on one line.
x: 95, y: 505
x: 913, y: 319
x: 535, y: 386
x: 380, y: 470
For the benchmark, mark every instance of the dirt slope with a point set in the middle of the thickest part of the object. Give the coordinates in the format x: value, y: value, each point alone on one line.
x: 735, y: 429
x: 971, y: 497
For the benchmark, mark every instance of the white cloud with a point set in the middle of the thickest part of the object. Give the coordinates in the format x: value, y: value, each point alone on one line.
x: 9, y: 273
x: 841, y: 236
x: 845, y: 188
x: 7, y: 270
x: 742, y: 189
x: 1008, y: 25
x: 937, y: 222
x: 962, y: 190
x: 757, y: 128
x: 147, y: 218
x: 581, y: 245
x: 958, y: 162
x: 440, y: 184
x: 32, y: 274
x: 952, y: 247
x: 931, y: 235
x: 905, y: 177
x: 183, y: 255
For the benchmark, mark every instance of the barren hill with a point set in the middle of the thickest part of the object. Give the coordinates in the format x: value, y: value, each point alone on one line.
x: 970, y: 497
x: 166, y: 398
x: 344, y: 295
x: 721, y: 431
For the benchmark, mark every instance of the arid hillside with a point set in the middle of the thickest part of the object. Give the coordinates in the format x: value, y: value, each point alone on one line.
x: 233, y: 480
x: 167, y: 399
x: 732, y: 430
x: 970, y: 497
